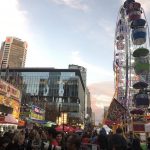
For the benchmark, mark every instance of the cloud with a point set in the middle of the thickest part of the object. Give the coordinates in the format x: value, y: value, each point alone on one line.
x: 107, y: 26
x: 94, y: 73
x: 101, y: 96
x: 75, y: 4
x: 13, y: 21
x: 145, y: 4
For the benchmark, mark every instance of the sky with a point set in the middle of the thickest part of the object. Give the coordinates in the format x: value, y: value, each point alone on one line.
x: 63, y: 32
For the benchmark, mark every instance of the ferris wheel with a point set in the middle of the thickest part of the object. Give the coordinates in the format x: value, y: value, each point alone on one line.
x: 131, y: 67
x: 131, y: 54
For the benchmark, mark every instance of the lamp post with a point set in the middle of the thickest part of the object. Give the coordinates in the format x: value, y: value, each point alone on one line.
x: 63, y: 121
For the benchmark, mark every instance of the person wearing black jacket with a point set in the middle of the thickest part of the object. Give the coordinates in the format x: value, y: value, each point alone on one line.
x: 17, y: 142
x: 118, y: 141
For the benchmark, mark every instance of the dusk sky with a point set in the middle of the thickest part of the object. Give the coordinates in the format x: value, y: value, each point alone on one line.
x: 63, y: 32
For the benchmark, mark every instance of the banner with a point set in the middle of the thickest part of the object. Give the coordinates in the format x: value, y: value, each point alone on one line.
x: 115, y: 112
x: 9, y: 90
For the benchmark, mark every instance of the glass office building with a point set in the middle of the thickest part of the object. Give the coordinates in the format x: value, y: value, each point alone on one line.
x: 55, y: 90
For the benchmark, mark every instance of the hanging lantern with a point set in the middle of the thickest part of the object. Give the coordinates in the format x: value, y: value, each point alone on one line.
x: 141, y: 99
x: 139, y: 23
x: 141, y: 52
x: 139, y: 36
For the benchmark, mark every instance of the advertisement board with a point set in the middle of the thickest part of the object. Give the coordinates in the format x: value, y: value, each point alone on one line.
x: 32, y: 112
x: 9, y: 90
x: 37, y: 113
x: 139, y: 127
x: 36, y: 116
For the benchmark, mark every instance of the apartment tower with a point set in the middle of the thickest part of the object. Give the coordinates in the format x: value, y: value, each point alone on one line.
x: 13, y: 53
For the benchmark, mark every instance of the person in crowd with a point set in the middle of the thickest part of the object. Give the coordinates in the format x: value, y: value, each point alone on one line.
x: 45, y: 142
x: 36, y: 142
x: 9, y: 135
x: 73, y: 142
x: 17, y: 142
x: 29, y: 139
x: 94, y: 137
x: 148, y: 143
x: 102, y: 139
x: 85, y: 138
x: 4, y: 143
x: 118, y: 141
x: 109, y: 139
x: 129, y: 139
x: 59, y: 139
x: 136, y: 142
x: 57, y: 143
x: 51, y: 135
x: 53, y: 143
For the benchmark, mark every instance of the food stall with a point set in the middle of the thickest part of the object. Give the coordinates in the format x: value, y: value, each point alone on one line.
x: 10, y: 98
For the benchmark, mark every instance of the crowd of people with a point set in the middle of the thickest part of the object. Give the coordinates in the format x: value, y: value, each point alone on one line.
x: 50, y: 139
x: 39, y: 139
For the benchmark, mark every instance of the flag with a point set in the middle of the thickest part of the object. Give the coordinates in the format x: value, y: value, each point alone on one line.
x: 115, y: 112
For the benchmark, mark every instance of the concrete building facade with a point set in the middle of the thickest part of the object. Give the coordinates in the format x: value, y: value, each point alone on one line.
x: 13, y: 53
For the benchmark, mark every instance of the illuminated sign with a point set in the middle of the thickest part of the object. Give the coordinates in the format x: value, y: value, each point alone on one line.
x: 8, y: 40
x: 36, y: 116
x: 38, y: 110
x: 9, y: 90
x: 11, y: 103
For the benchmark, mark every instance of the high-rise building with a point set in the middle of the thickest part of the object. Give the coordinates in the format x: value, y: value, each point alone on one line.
x: 83, y: 75
x: 82, y: 70
x: 93, y: 118
x: 105, y: 110
x: 88, y: 109
x: 54, y: 90
x: 13, y: 53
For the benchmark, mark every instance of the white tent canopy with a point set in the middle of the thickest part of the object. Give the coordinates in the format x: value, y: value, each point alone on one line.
x: 106, y: 128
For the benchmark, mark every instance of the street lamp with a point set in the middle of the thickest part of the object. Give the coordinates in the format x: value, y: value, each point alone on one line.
x: 64, y: 119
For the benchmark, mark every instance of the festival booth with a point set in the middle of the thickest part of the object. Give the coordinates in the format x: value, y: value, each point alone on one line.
x: 138, y: 120
x: 10, y: 98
